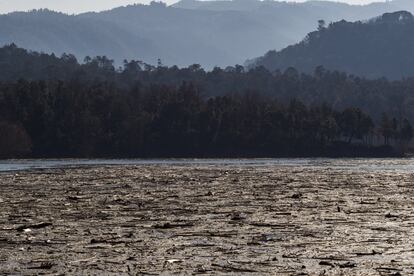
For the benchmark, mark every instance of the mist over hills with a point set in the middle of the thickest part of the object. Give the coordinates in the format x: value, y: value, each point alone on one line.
x: 211, y: 33
x: 381, y: 47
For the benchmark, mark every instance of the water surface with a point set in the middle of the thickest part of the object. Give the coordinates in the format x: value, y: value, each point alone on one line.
x: 356, y: 164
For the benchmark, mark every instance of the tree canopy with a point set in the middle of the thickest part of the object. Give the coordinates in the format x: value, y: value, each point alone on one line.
x: 58, y: 107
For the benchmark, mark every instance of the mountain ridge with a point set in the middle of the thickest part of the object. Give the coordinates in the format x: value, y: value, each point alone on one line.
x: 228, y: 35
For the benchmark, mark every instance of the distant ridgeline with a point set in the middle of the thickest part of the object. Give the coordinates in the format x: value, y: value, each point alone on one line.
x: 211, y: 33
x: 56, y: 107
x: 381, y: 47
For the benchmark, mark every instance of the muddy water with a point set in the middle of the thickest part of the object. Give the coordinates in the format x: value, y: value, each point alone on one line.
x: 261, y: 217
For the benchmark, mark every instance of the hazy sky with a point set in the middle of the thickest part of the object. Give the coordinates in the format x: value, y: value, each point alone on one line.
x: 76, y: 6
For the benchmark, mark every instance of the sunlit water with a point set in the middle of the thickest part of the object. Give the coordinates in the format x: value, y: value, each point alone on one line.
x: 358, y: 164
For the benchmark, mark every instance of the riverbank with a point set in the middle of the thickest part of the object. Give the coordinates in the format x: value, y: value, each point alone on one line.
x: 206, y: 219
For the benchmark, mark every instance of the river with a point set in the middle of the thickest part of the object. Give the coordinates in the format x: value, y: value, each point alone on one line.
x: 354, y: 164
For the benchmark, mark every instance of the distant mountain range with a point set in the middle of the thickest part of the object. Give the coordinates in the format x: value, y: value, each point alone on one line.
x: 381, y: 47
x: 210, y: 33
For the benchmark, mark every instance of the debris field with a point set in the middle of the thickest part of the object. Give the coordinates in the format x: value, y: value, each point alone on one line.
x: 206, y: 219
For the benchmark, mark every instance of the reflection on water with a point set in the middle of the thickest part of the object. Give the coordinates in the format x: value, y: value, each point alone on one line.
x: 359, y: 164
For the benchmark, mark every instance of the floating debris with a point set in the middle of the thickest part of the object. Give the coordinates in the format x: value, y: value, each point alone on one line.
x: 211, y: 219
x: 41, y: 225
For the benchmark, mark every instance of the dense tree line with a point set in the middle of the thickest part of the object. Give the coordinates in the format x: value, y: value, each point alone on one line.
x: 333, y: 88
x: 57, y: 107
x: 65, y: 119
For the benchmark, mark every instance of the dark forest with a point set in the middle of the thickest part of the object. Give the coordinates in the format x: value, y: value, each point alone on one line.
x: 57, y: 107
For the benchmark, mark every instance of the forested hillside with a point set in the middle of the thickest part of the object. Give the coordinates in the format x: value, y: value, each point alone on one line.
x: 57, y: 107
x: 206, y: 32
x: 381, y: 47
